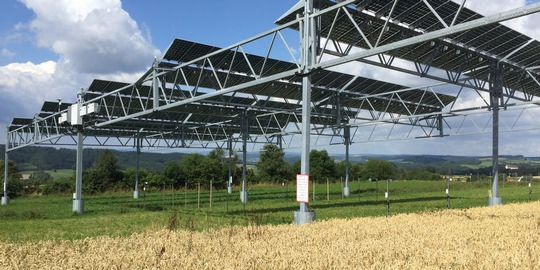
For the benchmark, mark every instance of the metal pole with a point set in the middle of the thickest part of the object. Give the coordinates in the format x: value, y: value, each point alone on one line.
x: 229, y: 146
x: 347, y: 135
x: 387, y: 195
x: 5, y: 198
x: 495, y: 95
x: 243, y: 193
x: 448, y: 192
x: 530, y: 187
x: 78, y: 203
x: 304, y: 215
x: 136, y: 191
x: 155, y: 84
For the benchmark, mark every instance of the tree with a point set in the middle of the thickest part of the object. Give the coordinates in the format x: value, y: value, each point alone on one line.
x: 104, y: 174
x: 355, y: 170
x: 378, y: 169
x: 13, y: 170
x: 321, y: 166
x: 218, y: 156
x: 14, y: 184
x: 128, y: 181
x: 201, y: 169
x: 271, y: 165
x: 59, y: 186
x: 173, y: 172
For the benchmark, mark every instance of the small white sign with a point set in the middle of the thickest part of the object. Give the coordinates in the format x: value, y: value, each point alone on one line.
x: 302, y: 188
x: 447, y: 192
x: 386, y: 195
x: 530, y: 185
x: 230, y: 179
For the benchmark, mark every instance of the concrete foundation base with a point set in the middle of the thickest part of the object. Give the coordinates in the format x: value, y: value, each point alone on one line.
x: 229, y: 189
x: 494, y: 201
x: 78, y: 206
x: 135, y: 194
x: 301, y: 217
x: 5, y: 200
x: 346, y: 191
x: 243, y: 196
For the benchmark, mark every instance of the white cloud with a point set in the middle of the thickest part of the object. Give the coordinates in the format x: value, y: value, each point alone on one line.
x: 93, y: 40
x: 93, y: 37
x: 527, y: 25
x: 23, y: 80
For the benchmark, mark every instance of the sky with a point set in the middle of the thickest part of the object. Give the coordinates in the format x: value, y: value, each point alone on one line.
x: 50, y: 49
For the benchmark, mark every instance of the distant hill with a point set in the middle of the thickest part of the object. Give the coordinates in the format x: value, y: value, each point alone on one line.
x: 49, y: 158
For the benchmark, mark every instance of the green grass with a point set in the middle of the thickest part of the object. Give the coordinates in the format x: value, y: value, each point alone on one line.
x: 63, y: 173
x: 34, y: 218
x: 55, y: 174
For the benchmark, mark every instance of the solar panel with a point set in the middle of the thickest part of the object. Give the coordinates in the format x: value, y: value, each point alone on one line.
x: 466, y: 51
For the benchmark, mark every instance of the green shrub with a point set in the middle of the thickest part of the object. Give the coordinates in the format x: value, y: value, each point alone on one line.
x: 14, y: 187
x: 60, y: 186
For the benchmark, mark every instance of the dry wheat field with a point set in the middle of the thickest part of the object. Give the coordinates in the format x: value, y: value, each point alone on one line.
x: 503, y: 237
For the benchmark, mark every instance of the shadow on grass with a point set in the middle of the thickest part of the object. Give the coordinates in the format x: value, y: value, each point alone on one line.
x: 343, y: 204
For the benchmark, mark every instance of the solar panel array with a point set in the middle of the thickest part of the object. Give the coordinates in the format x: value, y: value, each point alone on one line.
x: 469, y: 51
x: 279, y: 98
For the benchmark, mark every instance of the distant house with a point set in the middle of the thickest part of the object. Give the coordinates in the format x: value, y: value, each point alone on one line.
x: 511, y: 167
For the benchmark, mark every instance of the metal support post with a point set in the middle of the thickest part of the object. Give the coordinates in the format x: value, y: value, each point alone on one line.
x: 448, y: 192
x: 440, y: 125
x: 347, y: 135
x: 245, y: 130
x: 229, y: 147
x: 307, y: 37
x: 495, y: 94
x: 78, y: 203
x: 155, y: 84
x: 5, y: 198
x: 530, y: 187
x: 387, y: 196
x: 136, y: 191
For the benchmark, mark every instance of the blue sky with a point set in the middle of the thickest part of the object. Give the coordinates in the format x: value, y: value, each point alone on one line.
x: 49, y: 49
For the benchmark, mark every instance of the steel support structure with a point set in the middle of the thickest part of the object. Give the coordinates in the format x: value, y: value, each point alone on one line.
x: 495, y: 86
x: 5, y: 198
x: 245, y: 135
x: 308, y: 43
x: 137, y: 176
x: 347, y: 142
x: 78, y: 203
x: 119, y: 103
x: 230, y: 151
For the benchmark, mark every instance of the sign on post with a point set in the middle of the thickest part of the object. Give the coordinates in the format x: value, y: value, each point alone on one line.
x: 302, y: 188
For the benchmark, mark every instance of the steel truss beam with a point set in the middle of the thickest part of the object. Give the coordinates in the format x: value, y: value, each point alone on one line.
x: 168, y: 82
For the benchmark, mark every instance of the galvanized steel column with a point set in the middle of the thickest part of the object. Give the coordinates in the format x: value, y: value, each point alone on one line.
x: 136, y: 191
x: 495, y: 87
x: 5, y: 198
x: 347, y: 135
x: 245, y: 130
x: 78, y: 203
x: 307, y: 42
x: 229, y: 148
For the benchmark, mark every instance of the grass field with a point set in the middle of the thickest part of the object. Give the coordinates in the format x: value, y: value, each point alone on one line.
x: 55, y: 174
x: 35, y: 218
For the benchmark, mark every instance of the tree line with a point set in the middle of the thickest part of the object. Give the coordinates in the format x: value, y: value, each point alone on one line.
x: 196, y: 169
x: 191, y: 170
